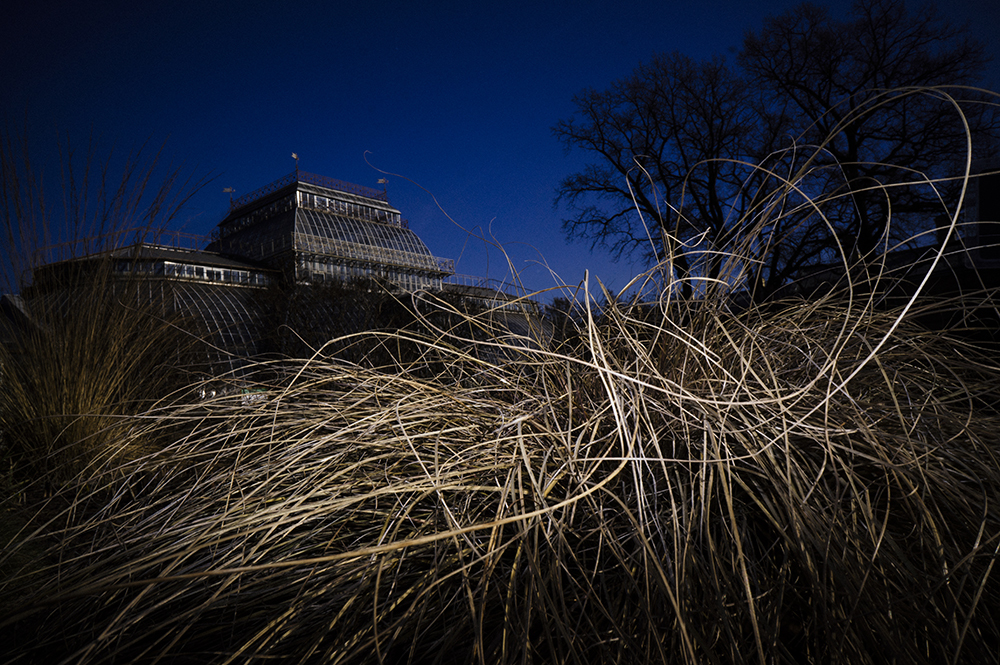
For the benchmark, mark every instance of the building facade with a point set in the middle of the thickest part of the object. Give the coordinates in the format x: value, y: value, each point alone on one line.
x: 274, y: 252
x: 316, y: 230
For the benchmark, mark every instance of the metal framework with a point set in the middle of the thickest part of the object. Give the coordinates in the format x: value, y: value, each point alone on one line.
x: 310, y: 178
x: 300, y: 229
x: 318, y: 230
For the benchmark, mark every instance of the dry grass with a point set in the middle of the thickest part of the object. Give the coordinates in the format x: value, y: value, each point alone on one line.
x: 93, y: 350
x: 795, y: 482
x: 94, y: 357
x: 774, y: 493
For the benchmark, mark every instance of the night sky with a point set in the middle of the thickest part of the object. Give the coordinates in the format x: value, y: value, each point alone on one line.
x: 456, y: 97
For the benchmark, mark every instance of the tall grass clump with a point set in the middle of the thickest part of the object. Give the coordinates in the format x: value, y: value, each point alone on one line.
x: 89, y: 348
x: 742, y: 507
x: 793, y: 481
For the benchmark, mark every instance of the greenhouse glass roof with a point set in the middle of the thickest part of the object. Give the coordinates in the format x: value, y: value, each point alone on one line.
x: 353, y: 239
x: 320, y: 221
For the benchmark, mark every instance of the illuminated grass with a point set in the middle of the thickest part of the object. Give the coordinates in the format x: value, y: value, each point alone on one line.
x: 792, y: 482
x: 744, y: 502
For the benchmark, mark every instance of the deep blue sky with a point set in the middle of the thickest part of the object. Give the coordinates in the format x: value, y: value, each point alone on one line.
x: 456, y: 96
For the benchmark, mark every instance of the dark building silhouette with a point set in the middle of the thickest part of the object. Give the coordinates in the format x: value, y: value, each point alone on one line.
x: 981, y: 231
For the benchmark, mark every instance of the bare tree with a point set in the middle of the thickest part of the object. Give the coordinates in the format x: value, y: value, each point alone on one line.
x: 675, y: 140
x: 875, y: 92
x: 668, y: 179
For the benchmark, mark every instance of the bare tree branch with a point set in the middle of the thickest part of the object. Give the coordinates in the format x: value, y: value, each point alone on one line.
x: 857, y: 105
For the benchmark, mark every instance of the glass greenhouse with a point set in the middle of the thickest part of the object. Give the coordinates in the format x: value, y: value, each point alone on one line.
x: 316, y: 230
x: 284, y: 257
